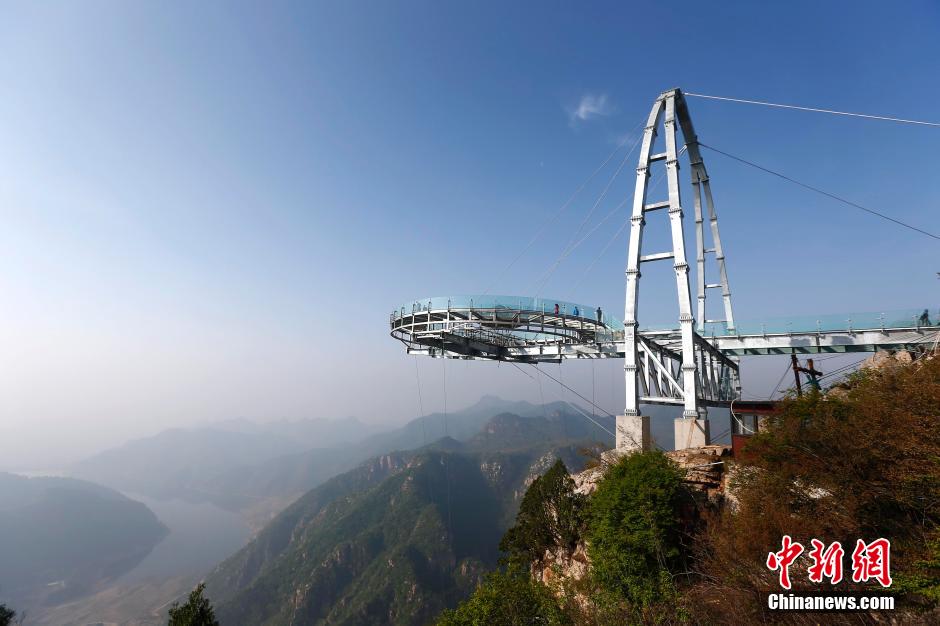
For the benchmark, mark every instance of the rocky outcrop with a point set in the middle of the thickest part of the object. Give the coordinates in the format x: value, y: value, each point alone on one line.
x: 707, y: 470
x: 562, y: 570
x: 706, y: 473
x: 879, y: 361
x: 884, y: 359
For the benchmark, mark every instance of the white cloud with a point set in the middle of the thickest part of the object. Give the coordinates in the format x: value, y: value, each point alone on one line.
x: 591, y: 105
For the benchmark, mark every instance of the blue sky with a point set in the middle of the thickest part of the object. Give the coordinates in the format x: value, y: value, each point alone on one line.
x: 210, y: 209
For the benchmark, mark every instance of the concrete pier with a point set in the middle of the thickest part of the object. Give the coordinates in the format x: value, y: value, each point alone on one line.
x: 633, y: 433
x: 691, y: 433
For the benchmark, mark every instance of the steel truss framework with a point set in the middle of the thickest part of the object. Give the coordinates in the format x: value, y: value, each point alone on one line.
x: 458, y: 339
x: 694, y: 364
x: 513, y: 334
x: 693, y: 351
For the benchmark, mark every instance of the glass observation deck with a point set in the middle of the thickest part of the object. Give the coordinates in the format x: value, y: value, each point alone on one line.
x: 802, y: 324
x: 510, y: 303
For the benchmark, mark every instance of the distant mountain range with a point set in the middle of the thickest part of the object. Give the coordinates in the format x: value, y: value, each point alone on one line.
x: 60, y: 537
x: 177, y: 462
x: 307, y: 433
x: 401, y: 536
x: 259, y: 469
x: 341, y: 477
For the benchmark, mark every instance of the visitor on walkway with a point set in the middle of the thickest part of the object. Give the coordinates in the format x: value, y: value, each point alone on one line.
x: 600, y: 315
x: 556, y: 308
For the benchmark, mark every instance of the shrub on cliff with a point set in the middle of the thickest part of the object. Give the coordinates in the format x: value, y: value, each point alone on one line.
x: 509, y: 598
x: 633, y: 530
x: 550, y: 517
x: 197, y: 611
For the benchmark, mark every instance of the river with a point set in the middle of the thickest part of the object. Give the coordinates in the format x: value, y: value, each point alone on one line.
x: 201, y: 535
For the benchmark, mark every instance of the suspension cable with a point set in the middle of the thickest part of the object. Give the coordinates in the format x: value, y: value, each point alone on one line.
x: 787, y: 370
x: 840, y: 370
x: 424, y: 432
x: 572, y: 405
x: 444, y: 452
x: 820, y: 191
x: 814, y: 109
x: 588, y: 234
x: 593, y: 395
x: 616, y: 236
x: 541, y: 395
x: 606, y: 412
x: 564, y: 206
x: 564, y: 427
x: 574, y: 242
x: 444, y: 388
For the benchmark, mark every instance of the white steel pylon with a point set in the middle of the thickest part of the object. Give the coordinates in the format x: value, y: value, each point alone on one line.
x: 682, y: 367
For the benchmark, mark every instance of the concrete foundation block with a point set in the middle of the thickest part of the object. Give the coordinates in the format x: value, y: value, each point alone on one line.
x: 633, y: 433
x: 691, y: 433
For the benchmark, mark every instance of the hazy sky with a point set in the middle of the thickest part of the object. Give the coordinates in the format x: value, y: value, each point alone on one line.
x: 209, y: 209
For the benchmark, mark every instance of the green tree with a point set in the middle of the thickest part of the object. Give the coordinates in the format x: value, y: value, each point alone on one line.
x: 507, y: 599
x: 7, y: 616
x: 196, y: 612
x: 633, y: 528
x: 550, y: 516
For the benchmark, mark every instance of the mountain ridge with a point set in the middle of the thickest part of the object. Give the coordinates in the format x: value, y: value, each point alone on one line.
x: 258, y: 474
x: 396, y: 539
x: 61, y: 537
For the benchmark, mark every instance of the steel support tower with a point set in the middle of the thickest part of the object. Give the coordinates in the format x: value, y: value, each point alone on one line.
x: 669, y: 108
x: 693, y: 364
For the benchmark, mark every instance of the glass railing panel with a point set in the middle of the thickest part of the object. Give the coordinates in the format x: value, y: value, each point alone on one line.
x: 509, y: 303
x: 841, y: 322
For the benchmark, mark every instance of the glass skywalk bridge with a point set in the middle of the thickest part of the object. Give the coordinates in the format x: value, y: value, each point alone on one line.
x: 520, y: 328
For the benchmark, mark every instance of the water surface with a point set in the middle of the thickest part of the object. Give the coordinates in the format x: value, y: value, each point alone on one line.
x: 201, y: 536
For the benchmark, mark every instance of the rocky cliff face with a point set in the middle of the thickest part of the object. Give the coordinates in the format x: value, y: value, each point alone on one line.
x: 707, y: 473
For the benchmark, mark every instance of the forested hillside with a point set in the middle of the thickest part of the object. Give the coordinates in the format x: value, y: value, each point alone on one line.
x: 651, y: 538
x: 399, y: 538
